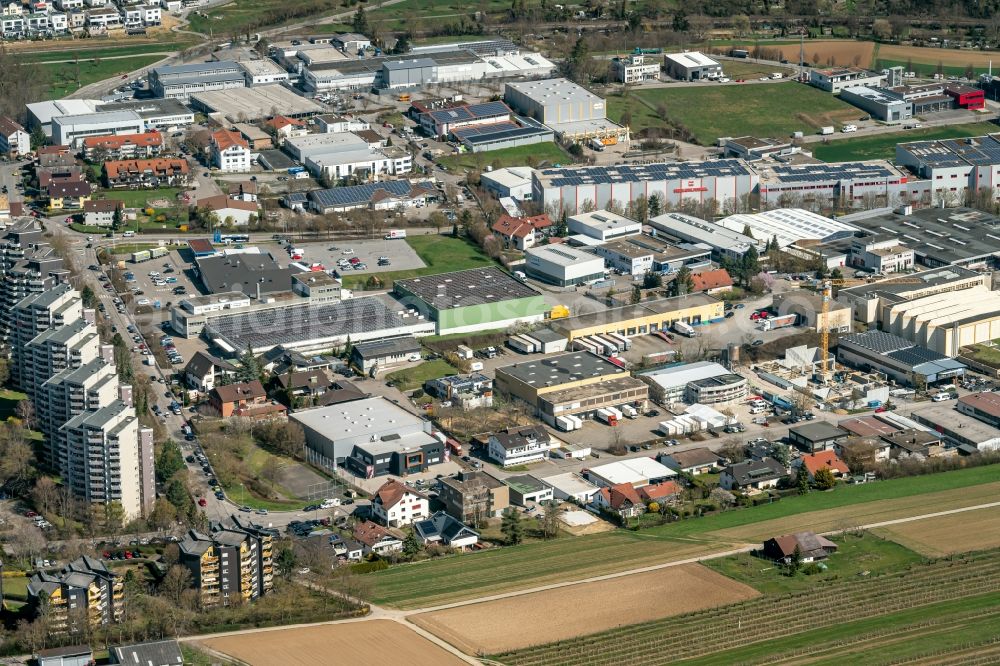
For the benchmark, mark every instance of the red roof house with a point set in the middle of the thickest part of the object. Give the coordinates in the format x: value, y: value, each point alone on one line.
x: 520, y: 232
x: 814, y: 462
x: 711, y: 282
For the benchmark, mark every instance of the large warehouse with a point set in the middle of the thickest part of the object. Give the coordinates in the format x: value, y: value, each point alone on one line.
x: 840, y: 184
x: 691, y: 66
x: 257, y: 103
x: 478, y: 299
x: 951, y: 166
x: 577, y: 383
x: 180, y: 81
x: 948, y: 321
x: 569, y: 188
x: 562, y: 265
x: 703, y: 383
x: 724, y: 243
x: 870, y: 303
x: 900, y: 359
x: 789, y: 225
x: 645, y: 317
x: 572, y: 111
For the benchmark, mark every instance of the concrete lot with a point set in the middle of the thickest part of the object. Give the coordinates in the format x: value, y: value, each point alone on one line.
x: 399, y: 252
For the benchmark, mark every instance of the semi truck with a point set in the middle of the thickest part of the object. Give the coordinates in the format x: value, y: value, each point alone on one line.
x: 607, y: 416
x: 684, y: 329
x: 781, y: 321
x: 393, y: 234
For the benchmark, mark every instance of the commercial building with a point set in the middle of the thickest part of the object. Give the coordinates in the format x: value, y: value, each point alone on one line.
x: 674, y: 183
x: 181, y: 81
x: 638, y: 255
x: 160, y: 114
x: 571, y: 486
x: 340, y: 156
x: 637, y: 472
x: 72, y: 130
x: 723, y: 243
x: 252, y: 274
x: 603, y: 225
x: 232, y: 564
x: 967, y: 433
x: 789, y: 225
x: 879, y: 103
x: 951, y: 167
x: 635, y: 68
x: 440, y: 121
x: 898, y: 358
x: 477, y: 299
x: 704, y: 382
x: 835, y: 80
x: 84, y: 595
x: 752, y: 149
x: 870, y: 303
x: 577, y: 383
x: 562, y: 265
x: 370, y: 437
x: 519, y: 446
x: 808, y: 306
x: 379, y: 355
x: 966, y: 97
x: 842, y: 184
x: 642, y: 318
x: 526, y: 489
x: 513, y: 182
x: 253, y: 104
x: 572, y: 111
x: 385, y: 195
x: 40, y: 114
x: 880, y: 253
x: 984, y: 406
x: 506, y: 134
x: 691, y: 66
x: 473, y: 497
x: 946, y: 322
x: 263, y: 72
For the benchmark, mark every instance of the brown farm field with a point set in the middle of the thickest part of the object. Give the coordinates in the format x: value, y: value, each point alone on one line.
x: 865, y: 514
x: 947, y: 57
x: 842, y: 52
x: 577, y: 610
x: 947, y: 535
x: 366, y: 643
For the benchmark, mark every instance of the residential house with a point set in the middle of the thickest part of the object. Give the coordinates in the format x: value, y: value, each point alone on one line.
x: 521, y: 232
x: 244, y: 190
x: 692, y: 461
x: 877, y: 447
x: 465, y: 391
x: 230, y: 211
x: 256, y: 138
x: 753, y: 474
x: 122, y: 146
x: 525, y: 489
x: 473, y: 497
x: 286, y: 128
x: 444, y: 529
x: 14, y: 139
x: 622, y: 499
x: 376, y: 539
x: 69, y: 194
x: 230, y: 151
x: 166, y: 652
x: 816, y: 436
x: 85, y: 583
x: 395, y: 504
x: 913, y: 442
x: 665, y: 492
x: 136, y: 174
x: 347, y: 549
x: 711, y: 282
x: 519, y: 446
x: 814, y: 462
x: 204, y: 370
x: 313, y: 388
x: 59, y: 174
x: 245, y: 399
x: 101, y: 212
x: 811, y: 547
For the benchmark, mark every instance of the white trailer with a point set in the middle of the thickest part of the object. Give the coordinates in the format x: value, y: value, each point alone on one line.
x: 521, y: 344
x: 583, y: 344
x: 464, y: 352
x: 617, y: 412
x: 624, y: 343
x: 565, y: 423
x: 607, y: 416
x: 577, y: 421
x: 684, y: 329
x: 606, y: 348
x: 630, y: 411
x: 610, y: 343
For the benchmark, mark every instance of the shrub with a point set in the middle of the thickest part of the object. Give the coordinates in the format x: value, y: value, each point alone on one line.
x: 369, y: 567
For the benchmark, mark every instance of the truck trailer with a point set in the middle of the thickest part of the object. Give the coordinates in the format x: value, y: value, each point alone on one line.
x: 607, y: 416
x: 393, y: 234
x: 781, y: 321
x: 684, y: 329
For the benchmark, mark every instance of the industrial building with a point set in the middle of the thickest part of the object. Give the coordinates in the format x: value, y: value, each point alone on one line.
x: 880, y: 104
x: 263, y: 72
x: 513, y: 182
x: 507, y: 134
x: 572, y: 111
x: 569, y: 188
x: 635, y: 68
x: 72, y: 130
x: 724, y: 243
x: 946, y: 322
x: 704, y: 383
x: 984, y: 406
x: 603, y: 225
x: 637, y: 255
x: 161, y: 114
x: 691, y: 66
x: 642, y: 318
x: 637, y: 472
x: 180, y: 81
x: 384, y: 195
x: 788, y: 225
x: 575, y: 383
x: 440, y: 122
x: 562, y: 265
x: 752, y: 149
x: 967, y: 433
x: 339, y: 156
x: 808, y: 305
x: 870, y: 303
x: 253, y: 104
x: 253, y: 274
x: 953, y: 166
x: 370, y: 437
x: 898, y: 358
x: 477, y: 299
x: 835, y: 80
x: 938, y: 237
x: 840, y: 184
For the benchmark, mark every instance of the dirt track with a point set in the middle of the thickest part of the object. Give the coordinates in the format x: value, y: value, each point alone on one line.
x: 543, y: 617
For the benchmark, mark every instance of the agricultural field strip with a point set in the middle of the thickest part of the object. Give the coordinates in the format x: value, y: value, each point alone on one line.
x: 776, y: 615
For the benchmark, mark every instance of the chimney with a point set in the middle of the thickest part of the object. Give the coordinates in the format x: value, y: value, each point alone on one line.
x: 125, y: 394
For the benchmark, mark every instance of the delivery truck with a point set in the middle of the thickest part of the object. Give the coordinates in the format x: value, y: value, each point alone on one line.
x: 607, y: 416
x: 684, y: 329
x: 781, y: 321
x: 393, y: 234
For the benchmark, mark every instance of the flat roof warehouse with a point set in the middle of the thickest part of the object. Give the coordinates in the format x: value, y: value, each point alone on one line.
x: 477, y: 286
x: 638, y: 173
x: 561, y: 369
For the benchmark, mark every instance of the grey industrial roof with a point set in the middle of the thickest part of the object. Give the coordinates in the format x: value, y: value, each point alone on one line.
x: 637, y: 173
x: 409, y: 63
x: 931, y: 278
x: 392, y: 347
x: 336, y: 421
x: 147, y: 108
x: 243, y: 272
x: 471, y: 112
x: 974, y: 151
x: 818, y: 431
x: 277, y: 160
x: 502, y: 131
x: 824, y: 173
x: 546, y: 335
x: 297, y: 323
x: 560, y: 369
x: 879, y: 342
x: 197, y: 68
x: 939, y: 236
x: 151, y: 653
x: 475, y: 286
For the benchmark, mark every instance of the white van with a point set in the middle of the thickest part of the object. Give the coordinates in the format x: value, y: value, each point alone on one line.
x: 330, y: 503
x: 847, y: 129
x: 128, y: 234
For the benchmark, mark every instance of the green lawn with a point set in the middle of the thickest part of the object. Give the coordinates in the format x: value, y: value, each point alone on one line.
x: 449, y: 579
x: 413, y: 378
x: 16, y: 587
x: 712, y: 110
x: 535, y: 155
x: 8, y: 402
x: 854, y: 555
x: 111, y: 50
x: 139, y: 198
x: 242, y: 16
x: 65, y: 79
x: 129, y: 248
x: 440, y: 253
x: 883, y: 146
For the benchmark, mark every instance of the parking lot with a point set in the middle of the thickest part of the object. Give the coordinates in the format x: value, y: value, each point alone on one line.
x: 171, y: 274
x: 400, y: 255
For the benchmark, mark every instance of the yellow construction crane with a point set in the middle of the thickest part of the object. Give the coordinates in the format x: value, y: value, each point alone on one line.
x: 826, y: 295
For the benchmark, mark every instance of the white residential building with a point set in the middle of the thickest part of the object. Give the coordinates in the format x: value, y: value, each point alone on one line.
x: 396, y: 504
x: 519, y: 446
x: 14, y: 138
x: 230, y: 152
x: 635, y: 69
